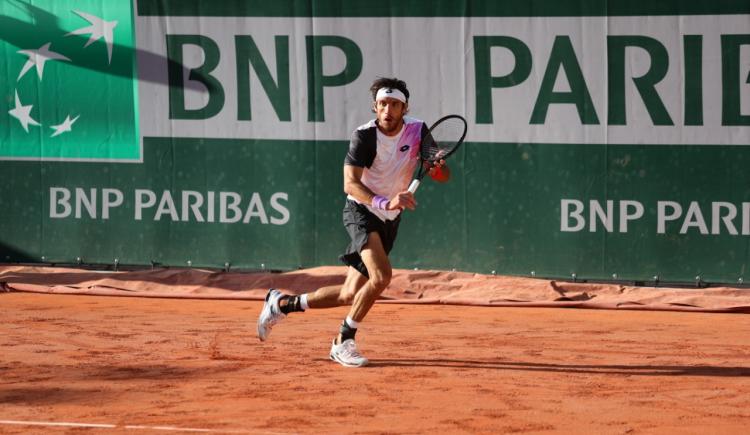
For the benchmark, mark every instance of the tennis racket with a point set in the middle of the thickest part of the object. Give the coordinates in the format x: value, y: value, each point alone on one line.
x: 442, y: 140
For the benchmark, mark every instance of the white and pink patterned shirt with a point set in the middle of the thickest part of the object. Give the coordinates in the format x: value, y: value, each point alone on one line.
x: 389, y: 161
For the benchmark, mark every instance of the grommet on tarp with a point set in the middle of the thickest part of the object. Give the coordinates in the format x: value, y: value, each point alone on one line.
x: 117, y: 263
x: 226, y: 266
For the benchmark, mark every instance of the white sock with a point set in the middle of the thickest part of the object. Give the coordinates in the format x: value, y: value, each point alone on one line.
x: 352, y: 323
x: 303, y: 302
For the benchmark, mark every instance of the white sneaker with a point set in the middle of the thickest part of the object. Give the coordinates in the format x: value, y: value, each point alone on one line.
x: 270, y: 314
x: 347, y: 354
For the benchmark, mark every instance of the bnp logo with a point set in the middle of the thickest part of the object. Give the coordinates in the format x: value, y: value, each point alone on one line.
x: 69, y: 87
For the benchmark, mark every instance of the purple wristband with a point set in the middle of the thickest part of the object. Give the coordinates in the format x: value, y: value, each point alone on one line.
x: 380, y: 202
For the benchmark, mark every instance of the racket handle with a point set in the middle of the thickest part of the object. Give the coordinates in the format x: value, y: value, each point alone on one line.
x: 413, y: 186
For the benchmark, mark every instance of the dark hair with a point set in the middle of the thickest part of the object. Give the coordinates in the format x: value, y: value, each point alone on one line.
x: 393, y: 83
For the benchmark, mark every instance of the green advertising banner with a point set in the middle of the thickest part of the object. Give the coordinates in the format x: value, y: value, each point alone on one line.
x: 69, y: 81
x: 607, y: 140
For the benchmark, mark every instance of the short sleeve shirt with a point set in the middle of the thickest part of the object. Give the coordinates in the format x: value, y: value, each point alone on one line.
x: 388, y: 161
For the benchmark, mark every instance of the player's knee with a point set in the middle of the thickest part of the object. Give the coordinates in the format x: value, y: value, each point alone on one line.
x: 346, y: 297
x: 380, y: 279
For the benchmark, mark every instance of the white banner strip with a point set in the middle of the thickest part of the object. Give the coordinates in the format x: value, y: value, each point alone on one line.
x: 438, y: 59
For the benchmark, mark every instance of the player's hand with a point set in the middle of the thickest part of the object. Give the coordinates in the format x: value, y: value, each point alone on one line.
x: 436, y: 166
x: 401, y: 201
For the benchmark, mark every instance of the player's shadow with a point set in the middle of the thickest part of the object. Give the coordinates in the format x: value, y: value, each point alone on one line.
x: 46, y: 28
x: 606, y: 369
x: 47, y: 396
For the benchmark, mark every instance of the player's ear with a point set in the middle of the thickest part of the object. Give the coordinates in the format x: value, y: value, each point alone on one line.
x: 374, y: 106
x: 406, y: 108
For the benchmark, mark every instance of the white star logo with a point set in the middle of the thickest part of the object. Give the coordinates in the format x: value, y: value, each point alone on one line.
x: 23, y: 114
x: 65, y: 127
x: 37, y: 58
x: 98, y: 29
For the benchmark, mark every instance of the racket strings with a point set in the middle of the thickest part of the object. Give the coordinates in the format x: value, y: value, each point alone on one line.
x: 443, y: 138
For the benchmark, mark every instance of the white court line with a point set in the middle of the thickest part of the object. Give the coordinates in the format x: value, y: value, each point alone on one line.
x: 116, y: 426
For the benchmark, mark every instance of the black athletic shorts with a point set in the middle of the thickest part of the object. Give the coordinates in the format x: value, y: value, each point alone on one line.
x: 359, y: 222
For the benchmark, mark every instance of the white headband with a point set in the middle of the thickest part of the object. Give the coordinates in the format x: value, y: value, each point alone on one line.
x: 390, y: 93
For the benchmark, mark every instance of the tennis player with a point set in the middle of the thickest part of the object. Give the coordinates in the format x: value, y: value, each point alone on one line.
x: 377, y: 170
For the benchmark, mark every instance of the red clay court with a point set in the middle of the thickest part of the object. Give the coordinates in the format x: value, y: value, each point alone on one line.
x: 102, y: 364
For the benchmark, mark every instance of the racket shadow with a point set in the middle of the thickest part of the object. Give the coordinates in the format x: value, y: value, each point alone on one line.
x: 618, y: 369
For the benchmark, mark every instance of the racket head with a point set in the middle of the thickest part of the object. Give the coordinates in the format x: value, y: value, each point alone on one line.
x: 443, y: 138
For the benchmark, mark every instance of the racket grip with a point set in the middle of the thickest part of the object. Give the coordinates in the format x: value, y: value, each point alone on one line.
x: 413, y: 186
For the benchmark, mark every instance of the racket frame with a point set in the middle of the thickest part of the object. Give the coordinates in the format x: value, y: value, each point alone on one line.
x: 423, y: 169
